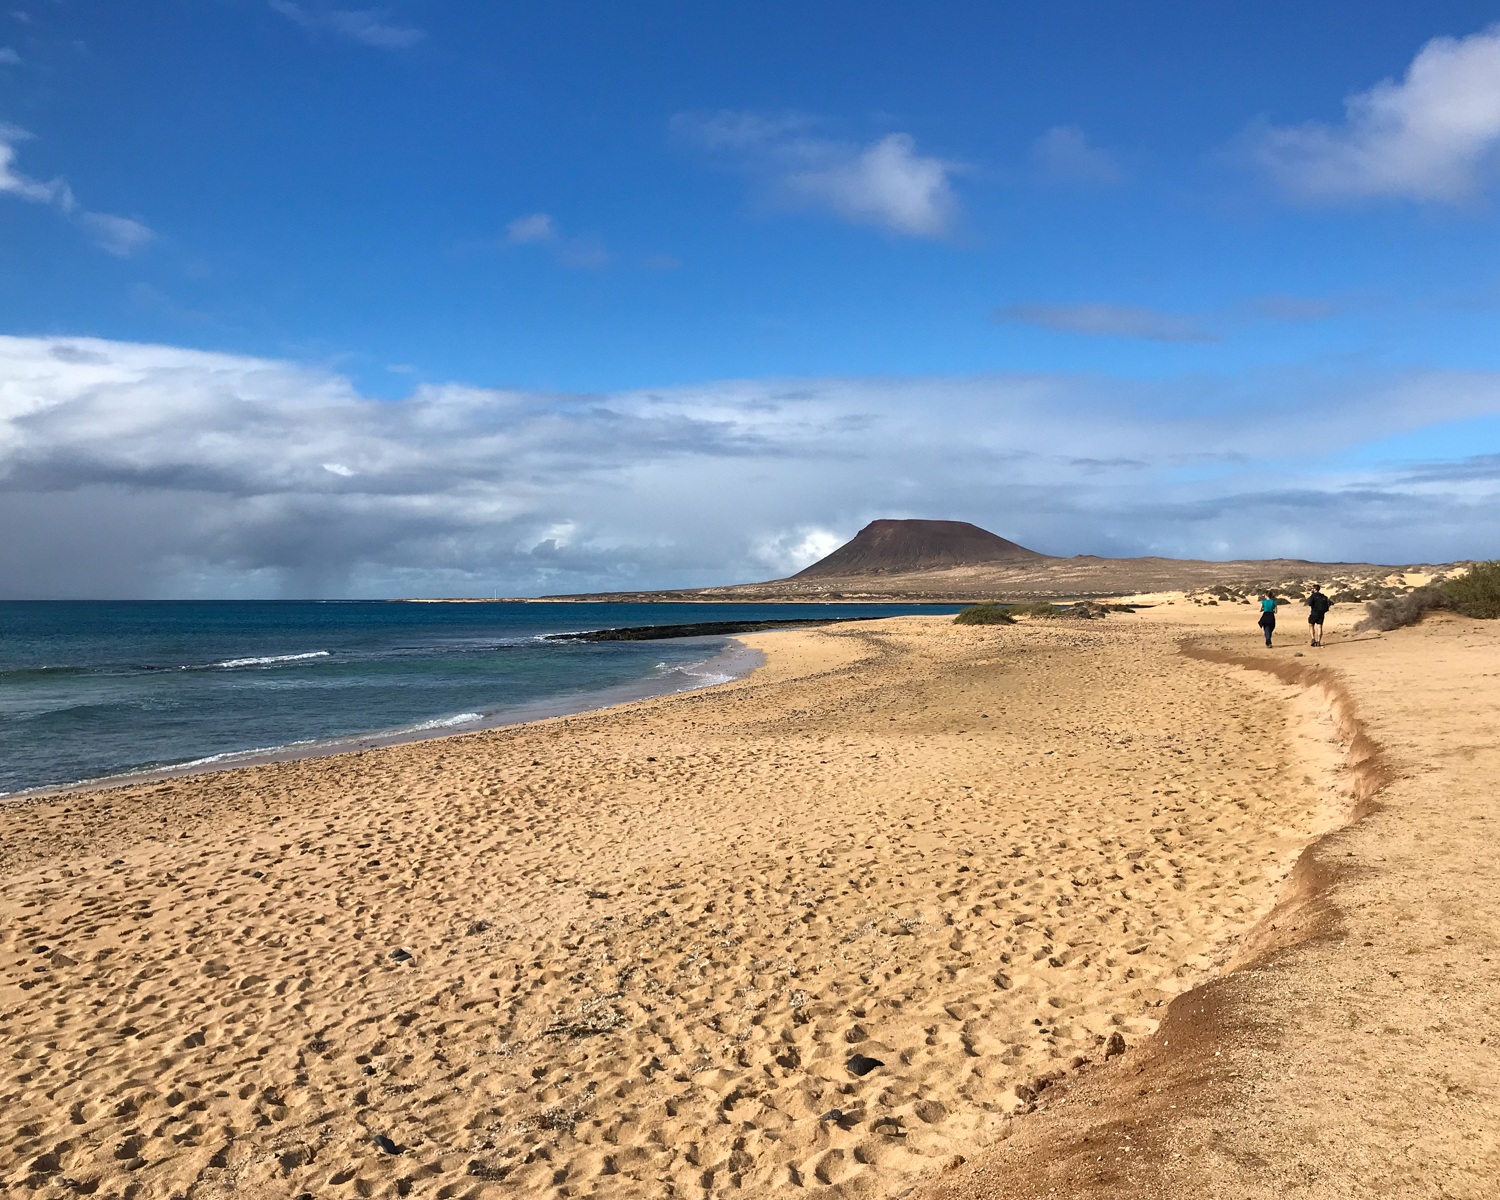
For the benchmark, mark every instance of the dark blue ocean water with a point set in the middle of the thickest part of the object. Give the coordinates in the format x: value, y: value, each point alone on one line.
x: 94, y: 689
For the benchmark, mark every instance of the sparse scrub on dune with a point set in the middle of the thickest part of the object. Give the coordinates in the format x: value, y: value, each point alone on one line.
x: 1037, y: 608
x: 1088, y: 609
x: 1474, y: 594
x: 988, y: 613
x: 993, y: 612
x: 1398, y: 611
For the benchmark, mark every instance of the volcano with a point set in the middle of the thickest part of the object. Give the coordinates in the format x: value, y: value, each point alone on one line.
x: 901, y: 547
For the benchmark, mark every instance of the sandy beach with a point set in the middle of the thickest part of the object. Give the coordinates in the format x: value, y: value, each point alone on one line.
x: 909, y: 904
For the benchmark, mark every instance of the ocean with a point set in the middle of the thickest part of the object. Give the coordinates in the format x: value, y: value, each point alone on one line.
x: 92, y: 690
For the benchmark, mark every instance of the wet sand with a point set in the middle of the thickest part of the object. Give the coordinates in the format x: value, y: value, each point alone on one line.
x: 649, y: 951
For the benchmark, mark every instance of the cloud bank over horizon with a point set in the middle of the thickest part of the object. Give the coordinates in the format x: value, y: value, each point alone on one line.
x: 136, y: 470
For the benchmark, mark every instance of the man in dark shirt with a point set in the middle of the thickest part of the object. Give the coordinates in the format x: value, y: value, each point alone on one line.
x: 1318, y: 606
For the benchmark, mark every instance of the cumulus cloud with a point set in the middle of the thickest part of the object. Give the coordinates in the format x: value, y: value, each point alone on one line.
x: 787, y: 551
x: 368, y: 26
x: 8, y: 57
x: 120, y: 236
x: 1064, y: 154
x: 887, y: 183
x: 1433, y: 135
x: 149, y: 470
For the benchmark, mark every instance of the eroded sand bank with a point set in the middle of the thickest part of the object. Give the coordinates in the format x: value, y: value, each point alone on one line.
x: 633, y: 953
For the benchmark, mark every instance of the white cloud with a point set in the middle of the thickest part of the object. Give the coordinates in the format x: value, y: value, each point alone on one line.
x: 9, y: 57
x: 1432, y: 136
x: 538, y: 227
x: 887, y: 183
x: 1153, y: 324
x: 369, y: 26
x: 579, y: 252
x: 138, y: 470
x: 1110, y: 320
x: 15, y: 183
x: 787, y: 551
x: 120, y: 236
x: 1064, y: 154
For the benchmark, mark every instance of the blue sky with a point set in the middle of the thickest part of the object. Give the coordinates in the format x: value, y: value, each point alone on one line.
x: 1174, y: 218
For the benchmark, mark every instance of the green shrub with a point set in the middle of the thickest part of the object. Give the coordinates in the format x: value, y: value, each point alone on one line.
x: 987, y: 613
x: 1476, y: 594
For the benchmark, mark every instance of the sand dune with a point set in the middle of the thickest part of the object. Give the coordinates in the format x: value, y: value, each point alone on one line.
x: 649, y: 952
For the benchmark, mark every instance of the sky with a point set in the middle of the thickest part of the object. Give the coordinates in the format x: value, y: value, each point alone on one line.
x: 302, y: 298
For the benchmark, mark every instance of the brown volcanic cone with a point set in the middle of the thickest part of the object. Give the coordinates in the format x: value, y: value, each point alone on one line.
x: 898, y: 547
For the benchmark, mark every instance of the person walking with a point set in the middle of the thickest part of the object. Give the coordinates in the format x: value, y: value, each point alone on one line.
x: 1267, y: 615
x: 1318, y: 606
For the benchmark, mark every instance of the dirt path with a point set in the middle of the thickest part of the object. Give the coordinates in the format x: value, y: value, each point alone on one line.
x: 1357, y: 1054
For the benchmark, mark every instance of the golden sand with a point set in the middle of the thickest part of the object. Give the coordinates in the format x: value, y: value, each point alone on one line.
x: 635, y: 953
x: 1353, y: 1052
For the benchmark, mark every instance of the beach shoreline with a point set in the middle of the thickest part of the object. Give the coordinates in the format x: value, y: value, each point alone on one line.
x: 659, y: 943
x: 732, y: 661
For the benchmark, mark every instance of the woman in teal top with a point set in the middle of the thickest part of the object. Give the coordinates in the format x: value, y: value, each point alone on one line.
x: 1267, y: 615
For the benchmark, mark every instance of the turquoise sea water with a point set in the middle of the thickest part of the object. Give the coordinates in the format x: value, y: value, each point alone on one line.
x: 95, y: 689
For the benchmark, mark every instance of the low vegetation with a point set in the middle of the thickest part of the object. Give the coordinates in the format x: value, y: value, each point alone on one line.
x: 1475, y: 594
x: 1354, y: 590
x: 994, y: 612
x: 985, y: 614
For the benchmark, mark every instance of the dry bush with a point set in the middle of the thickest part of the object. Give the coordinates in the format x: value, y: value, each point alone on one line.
x: 1476, y: 594
x: 1400, y: 611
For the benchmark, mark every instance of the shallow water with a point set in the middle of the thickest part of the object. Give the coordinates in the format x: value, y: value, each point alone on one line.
x: 95, y: 689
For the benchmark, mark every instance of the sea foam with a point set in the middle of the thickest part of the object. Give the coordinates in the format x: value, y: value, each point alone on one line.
x: 272, y: 658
